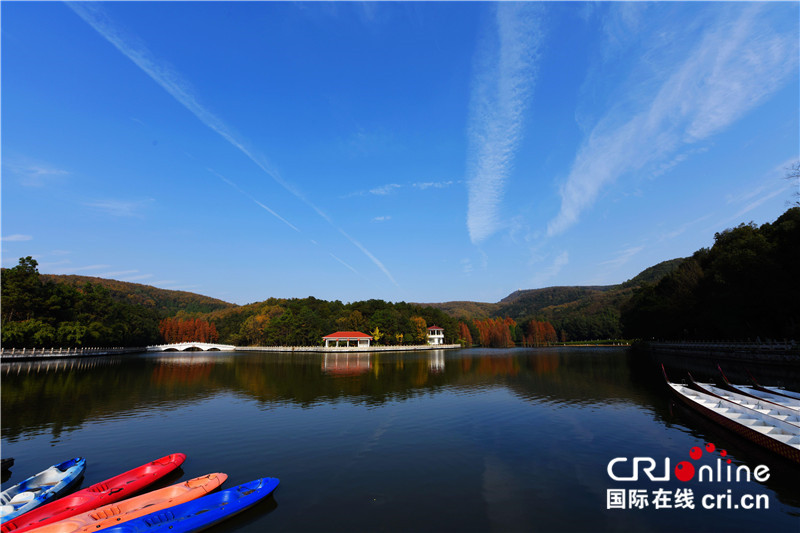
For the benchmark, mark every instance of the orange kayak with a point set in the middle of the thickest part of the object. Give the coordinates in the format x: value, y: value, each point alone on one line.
x: 92, y: 497
x: 121, y: 512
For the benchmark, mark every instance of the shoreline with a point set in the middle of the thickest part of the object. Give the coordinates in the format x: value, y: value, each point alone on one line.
x: 33, y: 354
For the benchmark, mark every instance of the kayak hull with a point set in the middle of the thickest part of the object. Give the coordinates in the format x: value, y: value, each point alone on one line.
x: 201, y: 513
x: 109, y: 491
x: 41, y: 488
x: 123, y: 511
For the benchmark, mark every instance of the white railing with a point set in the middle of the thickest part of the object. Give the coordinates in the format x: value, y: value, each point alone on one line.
x: 182, y: 346
x: 400, y: 348
x: 20, y: 353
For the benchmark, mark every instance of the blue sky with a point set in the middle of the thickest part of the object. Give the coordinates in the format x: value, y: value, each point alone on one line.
x: 404, y: 151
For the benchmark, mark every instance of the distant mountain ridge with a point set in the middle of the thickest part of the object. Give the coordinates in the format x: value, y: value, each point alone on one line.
x: 562, y: 304
x: 167, y: 302
x: 576, y: 312
x: 549, y: 302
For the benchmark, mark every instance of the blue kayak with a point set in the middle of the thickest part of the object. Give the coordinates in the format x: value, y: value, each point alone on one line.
x: 44, y: 487
x: 200, y: 513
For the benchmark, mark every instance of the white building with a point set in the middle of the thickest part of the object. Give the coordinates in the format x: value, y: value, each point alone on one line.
x: 435, y: 335
x: 348, y: 338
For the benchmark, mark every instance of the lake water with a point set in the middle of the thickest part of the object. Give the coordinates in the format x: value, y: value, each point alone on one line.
x: 462, y: 440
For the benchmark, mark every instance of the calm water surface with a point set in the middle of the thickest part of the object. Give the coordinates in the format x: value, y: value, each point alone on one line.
x: 467, y: 440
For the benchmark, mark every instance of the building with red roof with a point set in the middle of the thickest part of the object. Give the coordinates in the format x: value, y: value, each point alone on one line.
x: 346, y: 337
x: 435, y: 335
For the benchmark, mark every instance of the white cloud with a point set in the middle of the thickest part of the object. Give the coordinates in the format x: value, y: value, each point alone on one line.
x: 505, y: 69
x: 623, y: 256
x: 432, y: 184
x: 739, y: 61
x: 391, y: 188
x: 17, y: 237
x: 35, y: 174
x: 172, y: 82
x: 89, y: 267
x: 261, y: 205
x: 681, y: 229
x: 560, y: 261
x: 136, y: 278
x: 345, y: 264
x: 121, y: 208
x: 118, y: 273
x: 385, y: 189
x: 64, y: 267
x: 382, y: 218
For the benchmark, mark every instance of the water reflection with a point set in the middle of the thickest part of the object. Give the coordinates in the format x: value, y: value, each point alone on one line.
x: 63, y: 394
x: 346, y: 364
x: 508, y: 439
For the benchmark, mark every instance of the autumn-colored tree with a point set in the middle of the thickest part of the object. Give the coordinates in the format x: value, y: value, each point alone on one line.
x: 464, y: 334
x: 187, y: 330
x: 495, y: 332
x: 540, y: 334
x: 376, y: 334
x: 420, y: 328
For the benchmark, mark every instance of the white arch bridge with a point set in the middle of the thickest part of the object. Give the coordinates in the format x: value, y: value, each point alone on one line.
x: 192, y: 347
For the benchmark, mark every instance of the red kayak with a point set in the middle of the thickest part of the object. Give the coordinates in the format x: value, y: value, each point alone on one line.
x: 105, y: 492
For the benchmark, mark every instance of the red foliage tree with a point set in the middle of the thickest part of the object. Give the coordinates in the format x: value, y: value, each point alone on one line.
x: 540, y: 334
x: 175, y: 330
x: 495, y: 332
x: 464, y: 333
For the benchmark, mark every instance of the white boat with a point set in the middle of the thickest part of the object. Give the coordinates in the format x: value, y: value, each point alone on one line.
x: 785, y: 401
x: 775, y: 410
x: 783, y: 392
x: 770, y: 394
x: 40, y: 488
x: 767, y: 431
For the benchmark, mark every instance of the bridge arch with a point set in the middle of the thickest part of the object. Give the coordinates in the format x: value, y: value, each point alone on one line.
x: 191, y: 347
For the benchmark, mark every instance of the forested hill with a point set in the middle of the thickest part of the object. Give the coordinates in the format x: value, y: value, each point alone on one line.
x: 582, y: 312
x: 166, y: 302
x: 746, y: 285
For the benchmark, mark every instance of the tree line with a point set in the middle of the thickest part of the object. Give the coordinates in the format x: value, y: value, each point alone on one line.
x: 304, y: 321
x: 506, y: 333
x: 41, y: 313
x: 746, y: 286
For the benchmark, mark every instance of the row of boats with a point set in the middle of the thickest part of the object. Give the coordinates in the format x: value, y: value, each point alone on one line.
x: 768, y: 416
x: 43, y: 503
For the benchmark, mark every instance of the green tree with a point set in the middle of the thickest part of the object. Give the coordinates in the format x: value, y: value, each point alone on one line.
x: 22, y: 290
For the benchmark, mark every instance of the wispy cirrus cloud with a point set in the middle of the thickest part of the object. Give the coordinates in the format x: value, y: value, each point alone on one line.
x: 17, y: 237
x: 34, y: 174
x: 66, y: 267
x: 180, y: 89
x: 259, y: 204
x: 118, y: 273
x: 345, y: 264
x: 391, y: 188
x: 504, y: 75
x: 769, y: 186
x: 432, y: 185
x: 383, y: 190
x: 559, y: 262
x: 623, y: 256
x: 137, y: 277
x: 739, y: 60
x: 121, y: 208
